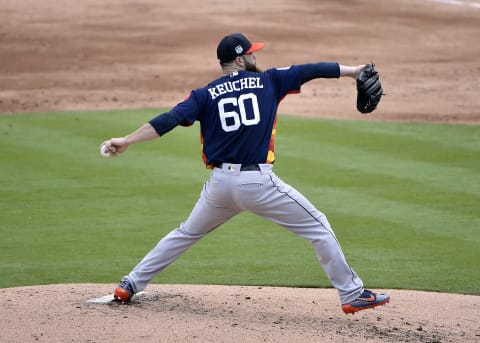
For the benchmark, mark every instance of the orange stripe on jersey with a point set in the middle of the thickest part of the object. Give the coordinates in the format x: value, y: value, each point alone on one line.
x: 271, y: 147
x: 293, y: 92
x: 204, y: 157
x: 270, y: 158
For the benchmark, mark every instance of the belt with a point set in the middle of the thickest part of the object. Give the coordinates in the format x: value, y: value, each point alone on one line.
x: 244, y: 167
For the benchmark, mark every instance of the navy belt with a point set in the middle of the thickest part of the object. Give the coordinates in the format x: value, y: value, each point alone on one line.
x: 244, y: 167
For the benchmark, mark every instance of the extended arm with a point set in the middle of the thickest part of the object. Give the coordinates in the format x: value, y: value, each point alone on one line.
x: 119, y: 145
x: 155, y: 128
x: 327, y: 70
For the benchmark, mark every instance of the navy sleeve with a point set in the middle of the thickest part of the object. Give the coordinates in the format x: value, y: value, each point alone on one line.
x: 318, y: 70
x: 192, y: 108
x: 286, y: 80
x: 166, y: 122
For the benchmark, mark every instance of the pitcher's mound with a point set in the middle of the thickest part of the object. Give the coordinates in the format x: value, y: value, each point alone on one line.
x: 199, y: 313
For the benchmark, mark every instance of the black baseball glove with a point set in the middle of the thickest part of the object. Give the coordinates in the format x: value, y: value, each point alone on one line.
x: 369, y: 89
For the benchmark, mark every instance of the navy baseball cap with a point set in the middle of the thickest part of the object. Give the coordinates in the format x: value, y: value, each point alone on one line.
x: 235, y: 45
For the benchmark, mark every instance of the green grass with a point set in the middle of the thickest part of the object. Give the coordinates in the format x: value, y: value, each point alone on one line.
x: 403, y: 199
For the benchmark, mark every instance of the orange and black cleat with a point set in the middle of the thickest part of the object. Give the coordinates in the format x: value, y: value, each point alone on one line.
x: 124, y: 291
x: 366, y: 300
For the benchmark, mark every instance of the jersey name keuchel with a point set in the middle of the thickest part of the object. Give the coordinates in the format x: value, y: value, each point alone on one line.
x: 235, y: 86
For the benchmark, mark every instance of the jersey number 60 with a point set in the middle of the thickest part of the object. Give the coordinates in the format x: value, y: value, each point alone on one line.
x: 231, y: 120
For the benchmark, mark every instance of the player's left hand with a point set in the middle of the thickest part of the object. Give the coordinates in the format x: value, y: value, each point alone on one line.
x: 369, y: 89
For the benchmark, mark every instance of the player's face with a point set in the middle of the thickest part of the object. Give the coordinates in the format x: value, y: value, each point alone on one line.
x: 250, y: 63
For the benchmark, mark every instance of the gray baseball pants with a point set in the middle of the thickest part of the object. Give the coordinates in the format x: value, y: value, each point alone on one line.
x: 230, y: 191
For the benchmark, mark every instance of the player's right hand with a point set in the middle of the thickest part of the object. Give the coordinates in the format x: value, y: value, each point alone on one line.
x: 116, y: 145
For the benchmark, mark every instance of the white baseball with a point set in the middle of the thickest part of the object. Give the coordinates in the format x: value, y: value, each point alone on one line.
x: 105, y: 152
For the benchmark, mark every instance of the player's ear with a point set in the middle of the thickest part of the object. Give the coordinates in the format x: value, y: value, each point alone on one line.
x: 239, y: 61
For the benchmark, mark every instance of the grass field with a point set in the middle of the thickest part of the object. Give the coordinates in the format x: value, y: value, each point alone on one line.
x: 403, y: 199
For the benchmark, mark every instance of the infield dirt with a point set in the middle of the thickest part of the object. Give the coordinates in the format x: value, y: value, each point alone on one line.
x: 110, y: 54
x: 118, y: 54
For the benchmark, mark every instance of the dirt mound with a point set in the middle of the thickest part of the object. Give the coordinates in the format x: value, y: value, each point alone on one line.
x: 195, y: 313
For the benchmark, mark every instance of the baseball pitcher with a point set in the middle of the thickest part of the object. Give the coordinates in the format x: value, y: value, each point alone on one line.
x: 237, y: 114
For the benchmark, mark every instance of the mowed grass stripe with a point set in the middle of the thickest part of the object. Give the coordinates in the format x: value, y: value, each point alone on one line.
x: 403, y: 199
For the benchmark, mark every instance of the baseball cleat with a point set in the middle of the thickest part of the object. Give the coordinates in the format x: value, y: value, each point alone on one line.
x: 366, y: 300
x: 124, y: 291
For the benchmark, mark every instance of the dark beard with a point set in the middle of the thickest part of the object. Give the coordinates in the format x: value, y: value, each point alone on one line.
x: 251, y: 67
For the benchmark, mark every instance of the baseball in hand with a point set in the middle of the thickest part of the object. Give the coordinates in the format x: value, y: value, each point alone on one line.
x: 105, y: 152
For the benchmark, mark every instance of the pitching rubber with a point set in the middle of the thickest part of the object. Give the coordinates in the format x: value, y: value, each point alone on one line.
x: 107, y: 299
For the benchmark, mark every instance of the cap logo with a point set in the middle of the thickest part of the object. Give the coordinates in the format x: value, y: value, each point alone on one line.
x: 238, y: 49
